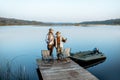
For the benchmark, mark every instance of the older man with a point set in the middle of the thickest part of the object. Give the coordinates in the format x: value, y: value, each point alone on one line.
x: 50, y: 40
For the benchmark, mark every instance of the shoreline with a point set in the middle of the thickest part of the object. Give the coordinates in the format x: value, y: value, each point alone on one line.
x: 83, y: 25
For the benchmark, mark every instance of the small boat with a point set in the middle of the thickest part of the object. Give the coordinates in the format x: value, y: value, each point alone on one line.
x: 88, y: 58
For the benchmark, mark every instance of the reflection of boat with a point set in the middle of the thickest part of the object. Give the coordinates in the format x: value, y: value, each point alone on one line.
x: 88, y: 58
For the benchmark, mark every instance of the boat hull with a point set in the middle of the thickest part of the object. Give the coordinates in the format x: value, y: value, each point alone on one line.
x: 86, y: 59
x: 87, y: 64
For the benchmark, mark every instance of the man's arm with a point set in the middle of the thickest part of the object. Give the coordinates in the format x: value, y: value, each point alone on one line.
x: 63, y: 39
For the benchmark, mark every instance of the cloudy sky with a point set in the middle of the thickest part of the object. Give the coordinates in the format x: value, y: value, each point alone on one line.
x: 60, y: 10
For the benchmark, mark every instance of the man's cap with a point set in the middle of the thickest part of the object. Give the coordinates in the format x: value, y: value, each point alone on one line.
x: 58, y: 32
x: 51, y: 29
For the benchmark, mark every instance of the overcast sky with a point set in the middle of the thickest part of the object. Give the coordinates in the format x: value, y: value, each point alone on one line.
x: 60, y: 10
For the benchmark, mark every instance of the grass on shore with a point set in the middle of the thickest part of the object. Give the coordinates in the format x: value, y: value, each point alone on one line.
x: 6, y: 72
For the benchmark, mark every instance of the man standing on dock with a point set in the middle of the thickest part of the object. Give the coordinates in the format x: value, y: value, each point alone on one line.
x: 59, y: 44
x: 50, y: 40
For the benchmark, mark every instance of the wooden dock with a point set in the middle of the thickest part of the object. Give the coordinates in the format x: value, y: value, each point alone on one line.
x: 63, y: 71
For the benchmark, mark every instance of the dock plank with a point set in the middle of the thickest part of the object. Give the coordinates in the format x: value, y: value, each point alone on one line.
x: 63, y: 71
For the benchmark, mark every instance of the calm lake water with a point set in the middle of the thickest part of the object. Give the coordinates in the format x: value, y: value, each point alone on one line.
x: 22, y: 45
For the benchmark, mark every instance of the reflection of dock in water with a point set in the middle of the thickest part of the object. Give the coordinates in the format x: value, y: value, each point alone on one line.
x: 63, y: 71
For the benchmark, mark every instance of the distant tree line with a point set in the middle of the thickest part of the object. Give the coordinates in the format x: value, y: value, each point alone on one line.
x: 12, y: 21
x: 7, y: 21
x: 106, y: 22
